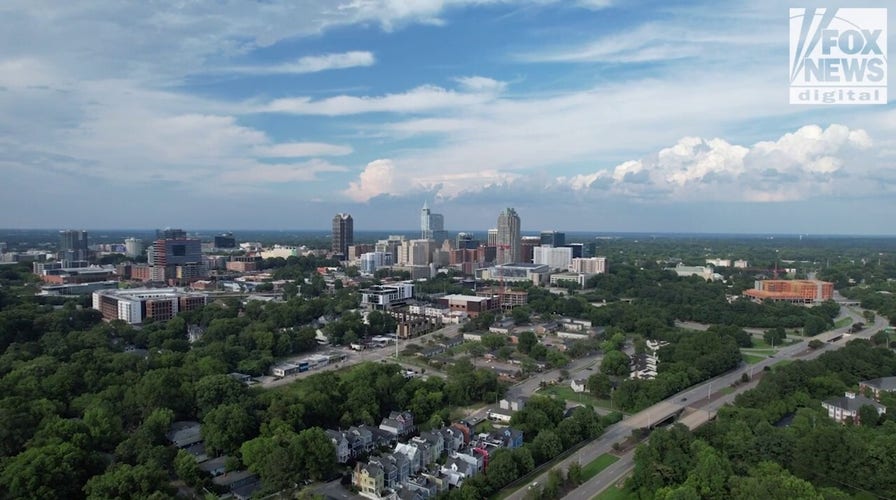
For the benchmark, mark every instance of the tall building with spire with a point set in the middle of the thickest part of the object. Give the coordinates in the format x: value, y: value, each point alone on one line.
x: 432, y: 226
x: 508, y: 238
x: 343, y: 233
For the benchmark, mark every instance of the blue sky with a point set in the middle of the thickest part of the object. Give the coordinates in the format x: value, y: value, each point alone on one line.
x: 583, y: 115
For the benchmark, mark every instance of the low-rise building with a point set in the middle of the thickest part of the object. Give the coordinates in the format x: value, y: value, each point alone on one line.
x: 878, y: 385
x: 137, y: 305
x: 847, y: 407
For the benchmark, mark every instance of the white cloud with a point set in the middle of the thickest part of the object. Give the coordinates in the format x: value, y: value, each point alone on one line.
x: 283, y: 172
x: 420, y: 99
x: 302, y: 149
x: 377, y: 178
x: 310, y: 64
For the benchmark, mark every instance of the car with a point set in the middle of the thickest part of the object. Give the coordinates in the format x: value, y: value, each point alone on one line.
x: 684, y: 399
x: 533, y: 485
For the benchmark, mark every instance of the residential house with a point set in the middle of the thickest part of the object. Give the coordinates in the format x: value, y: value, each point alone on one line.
x: 391, y: 479
x: 453, y: 439
x: 423, y: 486
x: 185, y: 433
x: 499, y: 416
x: 343, y: 453
x: 577, y: 384
x: 433, y: 351
x: 436, y: 442
x: 413, y: 454
x: 214, y: 467
x: 360, y: 440
x: 513, y: 404
x: 369, y: 480
x: 240, y: 483
x: 454, y: 341
x: 439, y: 480
x: 398, y: 423
x: 840, y: 409
x: 878, y: 385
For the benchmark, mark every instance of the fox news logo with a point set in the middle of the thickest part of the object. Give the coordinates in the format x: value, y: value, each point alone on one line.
x: 838, y: 56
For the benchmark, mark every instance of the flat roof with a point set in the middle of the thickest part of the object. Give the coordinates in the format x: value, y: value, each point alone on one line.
x: 468, y: 298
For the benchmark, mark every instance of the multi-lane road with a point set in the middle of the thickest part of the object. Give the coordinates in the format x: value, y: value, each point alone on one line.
x: 697, y: 403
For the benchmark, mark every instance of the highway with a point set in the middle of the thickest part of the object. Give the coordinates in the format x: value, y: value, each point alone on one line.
x: 698, y: 402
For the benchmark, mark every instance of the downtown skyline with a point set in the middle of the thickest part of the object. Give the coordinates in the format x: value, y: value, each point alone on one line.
x: 585, y: 116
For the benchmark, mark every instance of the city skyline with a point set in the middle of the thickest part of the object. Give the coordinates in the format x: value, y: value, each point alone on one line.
x: 622, y: 117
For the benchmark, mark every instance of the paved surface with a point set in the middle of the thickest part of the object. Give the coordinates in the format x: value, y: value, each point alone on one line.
x: 355, y: 357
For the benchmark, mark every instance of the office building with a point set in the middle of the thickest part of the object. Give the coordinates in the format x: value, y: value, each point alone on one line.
x: 432, y: 225
x: 466, y: 241
x: 553, y: 257
x: 225, y: 240
x: 136, y: 305
x: 578, y: 250
x: 133, y: 247
x: 553, y: 238
x: 492, y: 238
x: 508, y: 240
x: 73, y: 247
x: 527, y: 247
x: 371, y: 261
x: 177, y: 258
x: 170, y: 234
x: 343, y: 233
x: 590, y: 265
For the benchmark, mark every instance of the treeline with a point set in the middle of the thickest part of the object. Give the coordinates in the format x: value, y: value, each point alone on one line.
x: 748, y: 451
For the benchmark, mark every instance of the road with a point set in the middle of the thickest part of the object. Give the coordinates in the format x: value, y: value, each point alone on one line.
x: 355, y: 357
x: 703, y: 400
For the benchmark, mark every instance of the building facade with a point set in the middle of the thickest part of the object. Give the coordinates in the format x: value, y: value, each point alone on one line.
x: 73, y: 247
x: 508, y: 237
x: 136, y: 305
x: 795, y: 291
x: 590, y: 265
x: 343, y: 233
x: 553, y: 257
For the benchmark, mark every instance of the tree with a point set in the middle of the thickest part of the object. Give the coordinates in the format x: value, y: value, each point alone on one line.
x: 186, y: 468
x: 525, y: 341
x: 521, y: 315
x: 215, y: 390
x: 770, y: 480
x: 318, y: 457
x: 225, y: 428
x: 502, y: 469
x: 615, y: 363
x: 775, y: 336
x: 600, y: 385
x: 814, y: 325
x: 129, y: 481
x: 574, y: 474
x: 546, y: 445
x: 51, y: 471
x: 868, y: 416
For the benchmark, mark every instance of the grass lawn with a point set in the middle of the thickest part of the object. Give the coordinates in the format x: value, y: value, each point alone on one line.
x: 566, y: 392
x: 844, y: 321
x: 752, y: 358
x: 614, y: 493
x: 598, y: 464
x: 726, y: 390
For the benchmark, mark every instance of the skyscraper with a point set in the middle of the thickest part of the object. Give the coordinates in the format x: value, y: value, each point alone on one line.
x: 343, y: 233
x: 432, y: 226
x: 553, y: 238
x: 508, y: 238
x: 72, y: 247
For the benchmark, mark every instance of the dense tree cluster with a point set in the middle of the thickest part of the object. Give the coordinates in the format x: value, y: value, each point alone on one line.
x: 744, y: 454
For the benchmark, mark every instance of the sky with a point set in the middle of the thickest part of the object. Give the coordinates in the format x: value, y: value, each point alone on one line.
x: 590, y: 115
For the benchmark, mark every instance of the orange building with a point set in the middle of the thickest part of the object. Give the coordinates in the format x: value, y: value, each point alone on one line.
x: 795, y: 291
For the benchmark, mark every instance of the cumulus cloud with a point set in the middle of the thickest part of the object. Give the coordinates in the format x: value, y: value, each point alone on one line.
x: 797, y: 166
x: 377, y: 178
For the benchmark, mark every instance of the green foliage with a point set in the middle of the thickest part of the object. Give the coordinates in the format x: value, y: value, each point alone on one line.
x: 615, y: 363
x: 226, y: 427
x: 127, y: 481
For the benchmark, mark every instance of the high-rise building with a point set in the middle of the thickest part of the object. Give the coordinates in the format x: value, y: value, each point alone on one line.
x: 527, y: 246
x: 492, y: 238
x: 466, y: 241
x: 133, y: 247
x: 72, y: 247
x: 170, y: 234
x: 432, y: 226
x: 553, y: 238
x: 589, y: 265
x: 343, y: 233
x: 176, y: 259
x: 555, y: 258
x: 509, y: 237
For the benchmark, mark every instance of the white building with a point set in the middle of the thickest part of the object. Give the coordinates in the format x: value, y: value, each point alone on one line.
x: 578, y: 278
x: 741, y: 264
x: 133, y: 247
x: 282, y: 251
x: 718, y: 262
x: 371, y: 261
x: 702, y: 271
x: 386, y: 296
x: 589, y: 265
x: 553, y: 257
